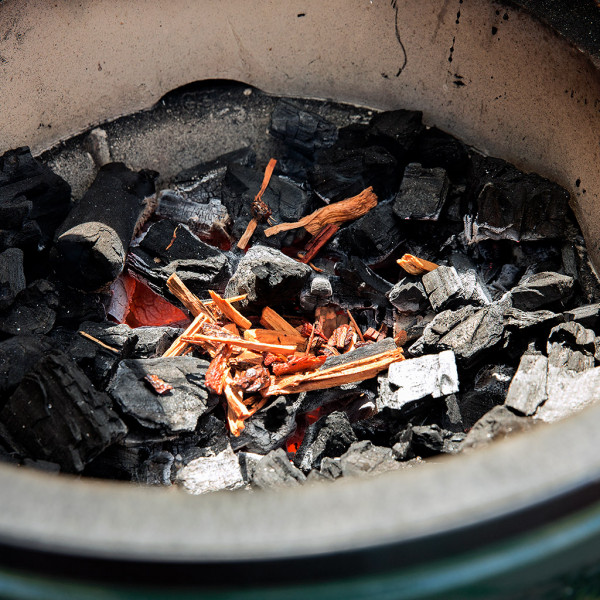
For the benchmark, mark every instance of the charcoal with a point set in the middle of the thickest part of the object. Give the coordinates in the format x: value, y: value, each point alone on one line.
x: 211, y: 436
x: 331, y: 468
x: 588, y: 315
x: 375, y: 235
x: 92, y: 242
x: 513, y: 205
x: 427, y: 440
x: 168, y: 248
x: 304, y: 131
x: 386, y: 345
x: 521, y: 320
x: 17, y: 355
x: 497, y: 423
x: 212, y: 474
x: 408, y: 296
x: 33, y: 311
x: 248, y: 462
x: 320, y: 286
x: 452, y: 419
x: 177, y: 410
x: 365, y: 458
x: 96, y: 143
x: 76, y: 306
x: 568, y: 392
x: 269, y: 428
x: 396, y: 130
x: 12, y: 276
x: 446, y: 287
x: 402, y: 448
x: 422, y: 193
x: 432, y: 375
x: 156, y: 469
x: 154, y: 341
x: 493, y: 380
x: 268, y: 277
x: 348, y: 392
x: 275, y: 470
x: 341, y: 173
x: 571, y: 346
x: 528, y: 389
x: 540, y: 290
x: 434, y: 148
x: 119, y: 462
x: 507, y: 279
x: 210, y: 175
x: 33, y: 201
x: 474, y: 289
x: 329, y: 437
x: 286, y: 201
x: 56, y: 414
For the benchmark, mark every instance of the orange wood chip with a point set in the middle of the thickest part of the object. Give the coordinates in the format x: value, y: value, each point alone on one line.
x: 233, y: 314
x: 416, y: 266
x: 241, y: 343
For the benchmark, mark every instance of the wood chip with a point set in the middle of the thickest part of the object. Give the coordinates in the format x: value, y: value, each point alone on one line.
x: 179, y: 347
x: 317, y: 242
x: 272, y: 320
x: 416, y: 266
x: 241, y: 343
x: 187, y: 298
x: 229, y: 311
x: 97, y: 341
x: 272, y: 336
x: 337, y: 213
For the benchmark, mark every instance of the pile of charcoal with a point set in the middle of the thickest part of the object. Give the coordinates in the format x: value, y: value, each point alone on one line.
x: 375, y: 295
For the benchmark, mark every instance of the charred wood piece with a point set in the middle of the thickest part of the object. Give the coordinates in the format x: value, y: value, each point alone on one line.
x: 422, y: 194
x: 12, y: 276
x: 541, y: 289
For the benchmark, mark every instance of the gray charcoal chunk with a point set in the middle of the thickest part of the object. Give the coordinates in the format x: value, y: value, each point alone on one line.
x: 268, y: 277
x: 329, y: 437
x: 571, y: 346
x: 541, y: 289
x: 365, y: 458
x: 408, y: 296
x: 268, y: 429
x: 443, y: 287
x: 248, y: 462
x: 521, y: 319
x: 528, y: 389
x: 154, y: 341
x: 275, y: 470
x: 331, y: 467
x: 18, y: 354
x: 422, y: 194
x: 588, y: 315
x: 57, y: 415
x: 494, y: 380
x: 568, y: 393
x: 178, y: 409
x: 12, y: 276
x: 432, y: 375
x: 156, y: 469
x: 495, y: 424
x: 211, y: 474
x: 474, y: 290
x: 320, y: 286
x: 402, y: 449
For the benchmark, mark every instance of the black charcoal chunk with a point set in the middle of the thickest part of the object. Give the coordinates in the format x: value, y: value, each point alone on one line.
x: 568, y: 392
x: 346, y: 393
x: 56, y: 415
x: 248, y: 462
x: 386, y: 345
x: 33, y: 201
x: 528, y: 390
x: 210, y: 175
x: 177, y: 410
x: 12, y: 276
x: 268, y: 276
x: 275, y: 470
x: 303, y: 130
x: 211, y: 473
x: 329, y: 437
x: 402, y: 448
x: 474, y: 289
x: 365, y: 458
x: 168, y: 248
x: 432, y: 375
x: 396, y: 130
x: 498, y: 423
x: 269, y: 428
x: 571, y: 346
x: 154, y: 341
x: 541, y: 289
x: 513, y: 205
x: 422, y: 194
x: 408, y: 296
x: 92, y: 243
x: 33, y: 311
x: 357, y: 280
x: 156, y: 469
x: 427, y: 440
x: 588, y: 315
x: 375, y: 235
x: 341, y: 173
x: 118, y: 461
x: 434, y: 148
x: 17, y: 355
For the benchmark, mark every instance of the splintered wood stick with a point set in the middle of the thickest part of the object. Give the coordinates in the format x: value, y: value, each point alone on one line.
x: 186, y: 297
x: 236, y: 426
x: 233, y: 314
x: 272, y: 320
x: 260, y: 210
x: 97, y: 341
x: 357, y: 370
x: 210, y: 303
x: 257, y: 346
x: 416, y: 266
x: 356, y: 327
x: 273, y: 336
x: 234, y: 400
x: 337, y: 213
x: 178, y: 347
x: 317, y: 242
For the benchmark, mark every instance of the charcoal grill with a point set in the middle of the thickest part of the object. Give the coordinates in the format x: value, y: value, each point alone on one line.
x: 523, y: 514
